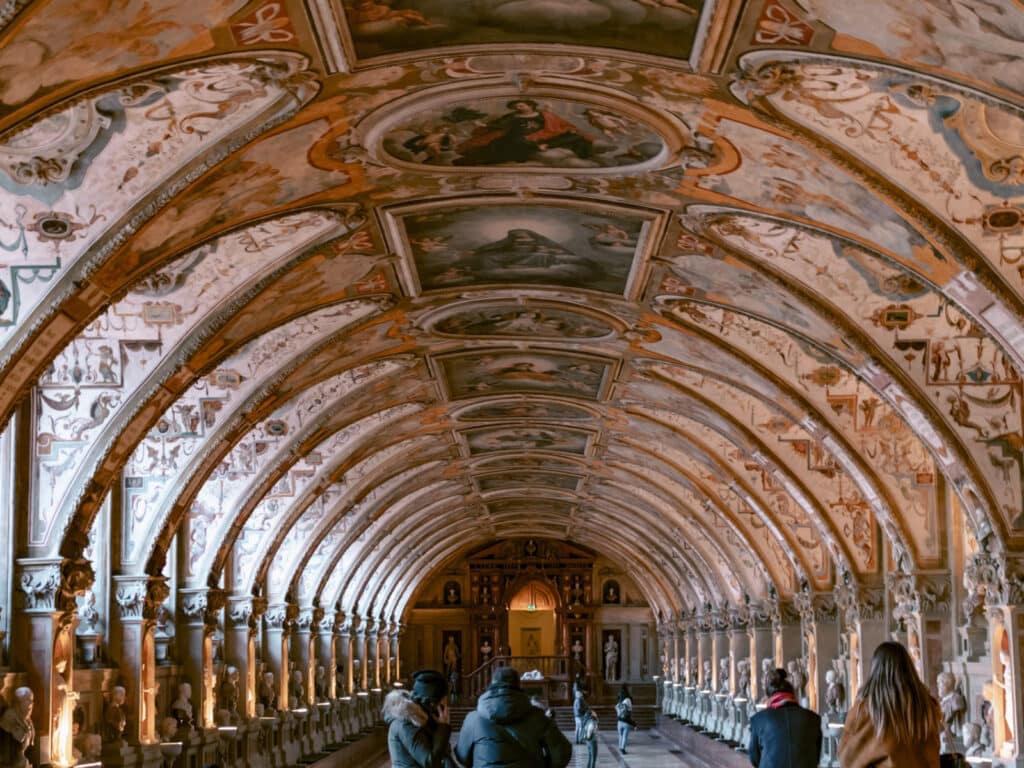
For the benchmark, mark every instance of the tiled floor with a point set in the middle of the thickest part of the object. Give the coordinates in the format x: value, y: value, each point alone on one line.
x: 646, y: 749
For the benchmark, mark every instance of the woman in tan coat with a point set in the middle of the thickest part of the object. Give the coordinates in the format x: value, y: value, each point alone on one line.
x: 895, y: 721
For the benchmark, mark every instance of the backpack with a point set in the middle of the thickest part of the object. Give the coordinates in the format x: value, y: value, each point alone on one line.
x: 589, y: 728
x: 622, y: 710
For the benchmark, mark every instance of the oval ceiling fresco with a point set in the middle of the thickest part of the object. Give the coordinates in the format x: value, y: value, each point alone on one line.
x: 523, y: 131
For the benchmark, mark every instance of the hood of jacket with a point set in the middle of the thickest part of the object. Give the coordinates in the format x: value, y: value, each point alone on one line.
x: 504, y: 705
x: 398, y: 705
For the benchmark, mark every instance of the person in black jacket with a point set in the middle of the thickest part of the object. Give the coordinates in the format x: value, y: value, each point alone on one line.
x: 784, y: 735
x: 418, y: 723
x: 506, y: 730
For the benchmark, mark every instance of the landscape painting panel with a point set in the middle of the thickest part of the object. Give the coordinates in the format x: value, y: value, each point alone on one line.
x: 654, y: 27
x: 524, y: 245
x: 516, y: 132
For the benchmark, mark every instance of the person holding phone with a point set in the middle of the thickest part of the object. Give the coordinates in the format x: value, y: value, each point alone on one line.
x: 419, y: 723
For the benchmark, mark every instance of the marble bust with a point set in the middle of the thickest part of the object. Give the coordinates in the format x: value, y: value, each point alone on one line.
x: 17, y: 730
x: 181, y: 708
x: 114, y: 720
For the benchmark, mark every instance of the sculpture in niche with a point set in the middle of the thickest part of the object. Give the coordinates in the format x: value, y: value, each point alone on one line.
x: 767, y: 665
x: 577, y: 650
x: 798, y: 678
x: 743, y: 678
x: 954, y: 707
x: 707, y: 676
x: 723, y: 676
x: 835, y: 693
x: 320, y: 684
x: 611, y: 658
x: 1005, y: 684
x: 486, y: 650
x: 115, y: 720
x: 227, y: 698
x: 267, y: 698
x: 452, y: 593
x: 973, y: 746
x: 181, y: 708
x: 62, y: 740
x: 611, y: 593
x: 451, y: 655
x: 576, y: 596
x: 18, y: 732
x: 296, y: 690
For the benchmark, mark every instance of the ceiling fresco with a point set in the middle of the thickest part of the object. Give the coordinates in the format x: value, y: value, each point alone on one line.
x: 310, y: 299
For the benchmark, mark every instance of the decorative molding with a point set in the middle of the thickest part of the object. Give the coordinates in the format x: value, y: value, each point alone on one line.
x: 51, y: 586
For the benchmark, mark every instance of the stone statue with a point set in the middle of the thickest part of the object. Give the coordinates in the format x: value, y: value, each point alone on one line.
x: 267, y: 698
x: 451, y: 656
x: 835, y: 693
x: 972, y: 740
x: 988, y: 738
x: 181, y: 707
x: 767, y: 665
x: 114, y: 720
x: 611, y: 658
x: 63, y: 739
x: 296, y: 690
x: 795, y: 668
x: 486, y: 650
x: 1005, y: 683
x: 18, y: 733
x: 320, y: 690
x: 954, y: 707
x: 707, y: 676
x: 227, y: 698
x: 694, y: 672
x: 743, y: 678
x: 723, y: 676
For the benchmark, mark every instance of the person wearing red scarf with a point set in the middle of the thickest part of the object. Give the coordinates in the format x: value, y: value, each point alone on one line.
x: 784, y: 734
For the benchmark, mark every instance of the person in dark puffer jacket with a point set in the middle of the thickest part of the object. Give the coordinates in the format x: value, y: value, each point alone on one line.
x: 418, y: 723
x: 507, y: 731
x: 784, y: 735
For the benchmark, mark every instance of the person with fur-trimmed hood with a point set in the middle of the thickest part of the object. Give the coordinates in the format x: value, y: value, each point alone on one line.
x: 418, y: 721
x: 507, y: 731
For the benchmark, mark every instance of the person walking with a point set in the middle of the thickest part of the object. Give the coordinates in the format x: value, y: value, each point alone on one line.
x: 589, y: 735
x: 784, y: 734
x: 508, y: 731
x: 418, y: 721
x: 579, y: 711
x: 624, y: 716
x: 895, y: 721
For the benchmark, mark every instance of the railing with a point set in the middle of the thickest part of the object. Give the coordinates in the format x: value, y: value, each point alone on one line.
x: 477, y: 681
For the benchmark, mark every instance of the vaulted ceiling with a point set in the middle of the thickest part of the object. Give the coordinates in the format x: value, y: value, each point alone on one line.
x: 334, y: 291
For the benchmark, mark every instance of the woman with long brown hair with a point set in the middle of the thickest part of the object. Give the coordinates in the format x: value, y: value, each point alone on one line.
x: 895, y: 721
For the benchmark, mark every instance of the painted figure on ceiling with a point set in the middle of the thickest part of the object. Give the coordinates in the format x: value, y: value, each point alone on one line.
x: 520, y: 135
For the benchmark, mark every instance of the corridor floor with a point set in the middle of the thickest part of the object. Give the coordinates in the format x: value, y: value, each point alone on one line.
x: 646, y: 749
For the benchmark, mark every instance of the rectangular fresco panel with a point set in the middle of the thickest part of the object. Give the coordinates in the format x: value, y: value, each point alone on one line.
x: 526, y: 438
x: 652, y: 27
x: 515, y: 479
x: 473, y: 374
x: 545, y: 244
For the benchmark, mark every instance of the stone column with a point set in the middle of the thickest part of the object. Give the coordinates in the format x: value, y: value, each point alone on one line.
x: 302, y: 652
x: 762, y: 646
x: 326, y: 652
x: 200, y: 609
x: 396, y: 651
x: 739, y: 648
x: 863, y: 625
x: 374, y: 627
x: 788, y: 636
x: 242, y: 627
x: 344, y: 629
x: 386, y: 637
x: 277, y: 625
x: 820, y: 629
x: 363, y: 629
x: 138, y: 600
x: 43, y: 643
x: 720, y: 647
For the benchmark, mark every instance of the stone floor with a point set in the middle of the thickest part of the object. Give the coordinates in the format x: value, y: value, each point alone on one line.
x: 646, y: 749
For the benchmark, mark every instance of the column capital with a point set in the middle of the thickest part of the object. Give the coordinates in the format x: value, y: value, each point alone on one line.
x: 201, y: 606
x: 992, y: 581
x: 306, y: 618
x: 139, y: 598
x: 245, y: 611
x: 856, y: 603
x: 50, y: 585
x: 281, y: 616
x: 815, y: 607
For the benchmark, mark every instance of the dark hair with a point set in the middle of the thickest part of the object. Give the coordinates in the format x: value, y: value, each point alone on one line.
x: 624, y: 692
x: 899, y: 703
x: 778, y: 682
